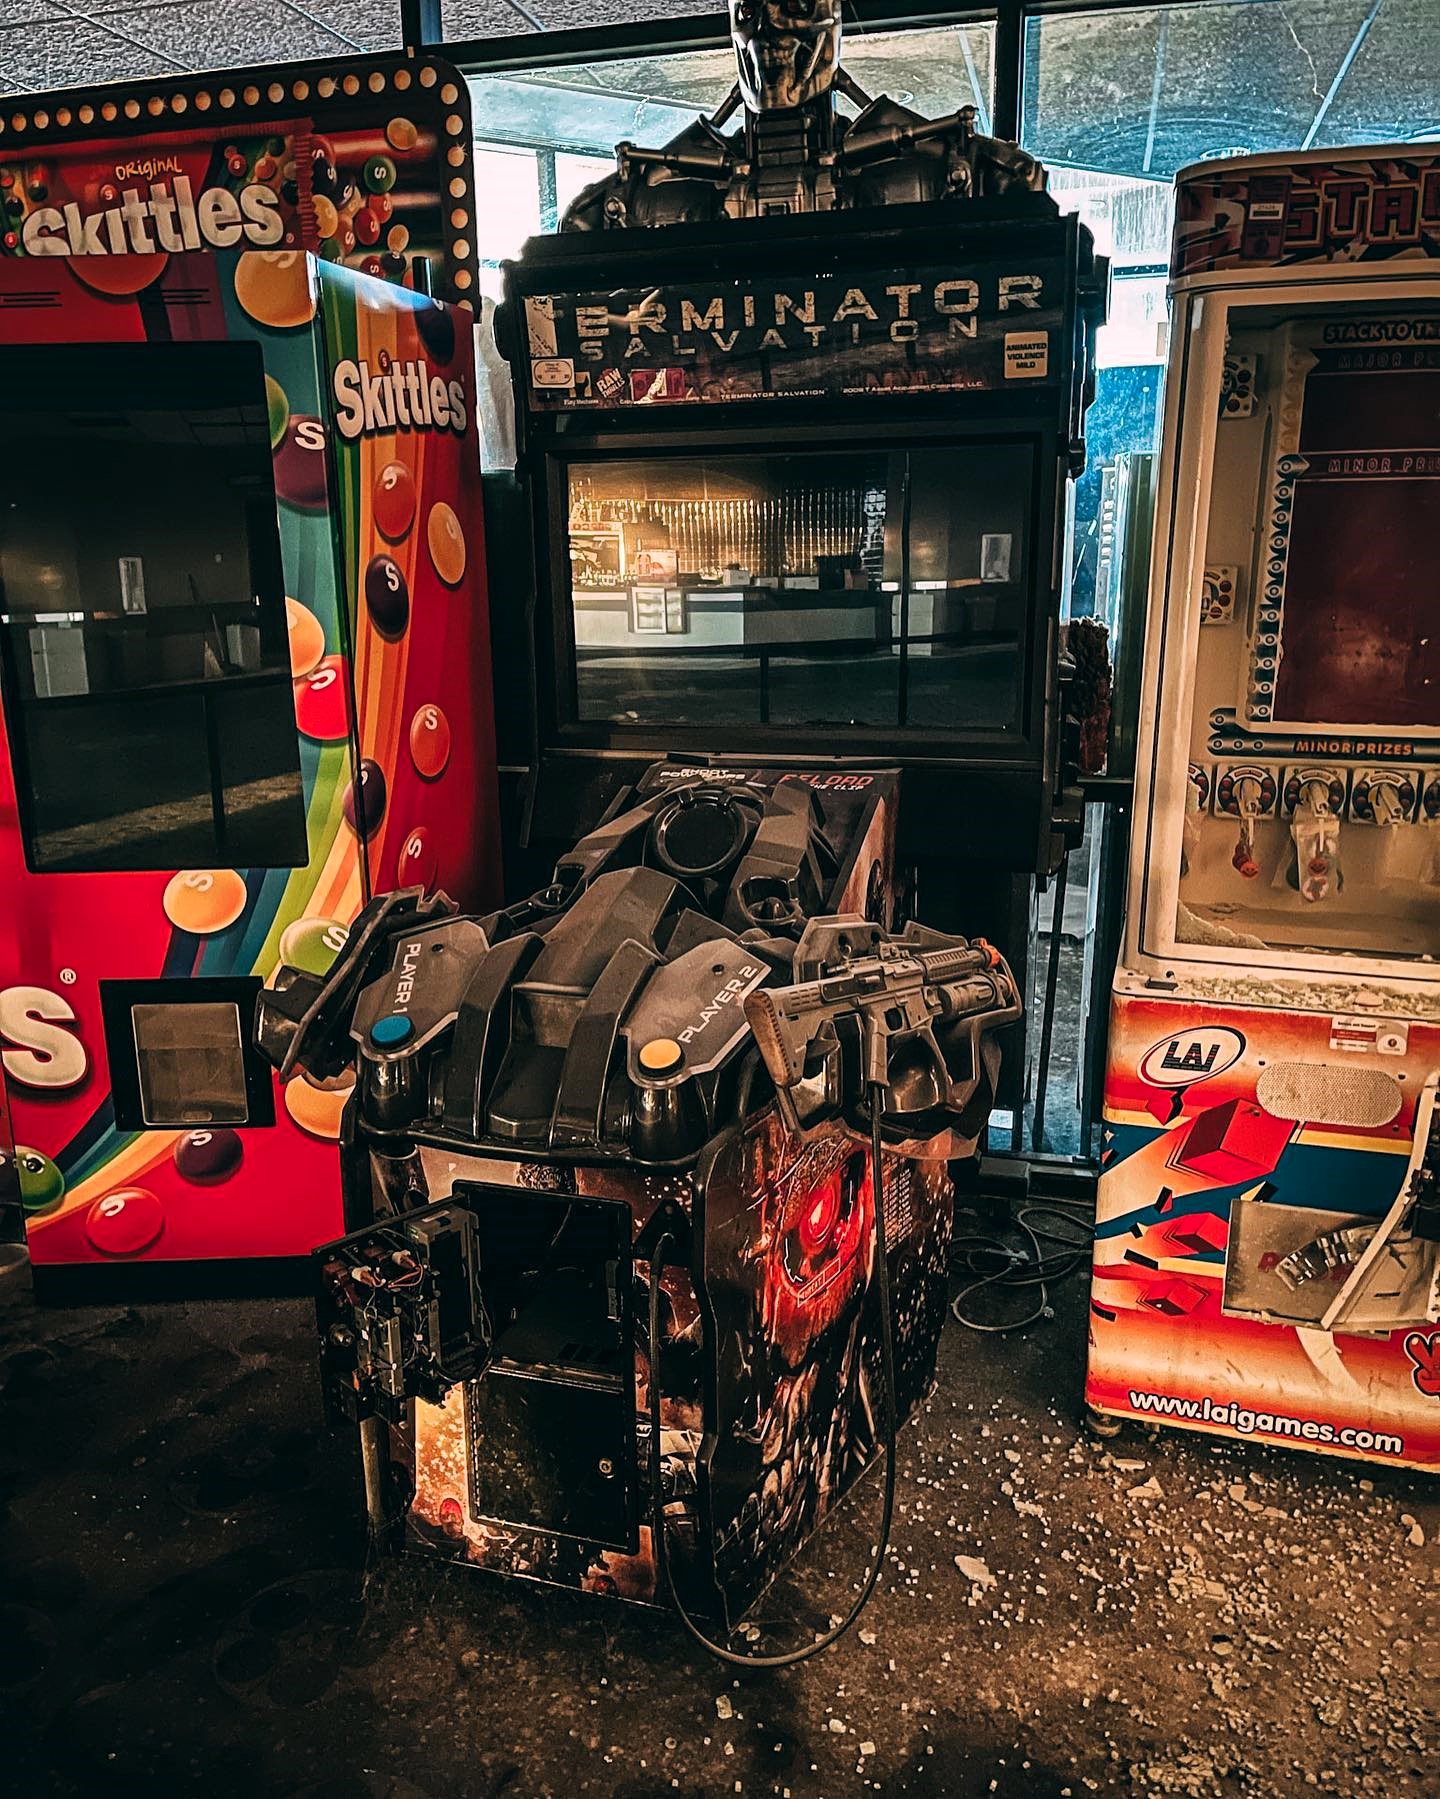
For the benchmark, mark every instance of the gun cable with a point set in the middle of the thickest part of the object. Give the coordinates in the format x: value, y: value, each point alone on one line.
x: 786, y: 1658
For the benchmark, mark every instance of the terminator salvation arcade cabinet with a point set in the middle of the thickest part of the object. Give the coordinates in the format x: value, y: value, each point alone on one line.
x: 245, y: 666
x: 797, y: 490
x: 647, y: 1151
x: 1268, y: 1256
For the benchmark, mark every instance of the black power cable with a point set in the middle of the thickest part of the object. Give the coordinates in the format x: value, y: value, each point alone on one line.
x: 789, y: 1657
x: 994, y: 1263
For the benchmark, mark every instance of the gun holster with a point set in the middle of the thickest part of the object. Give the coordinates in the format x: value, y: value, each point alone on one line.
x: 304, y: 1019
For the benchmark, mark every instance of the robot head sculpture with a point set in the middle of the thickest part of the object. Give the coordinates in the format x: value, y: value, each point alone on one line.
x: 786, y: 51
x: 797, y: 152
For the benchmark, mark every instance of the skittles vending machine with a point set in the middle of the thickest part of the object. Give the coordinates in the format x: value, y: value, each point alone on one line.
x: 1268, y: 1254
x: 244, y: 685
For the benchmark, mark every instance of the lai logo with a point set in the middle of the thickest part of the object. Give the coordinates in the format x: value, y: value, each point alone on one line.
x: 1189, y: 1056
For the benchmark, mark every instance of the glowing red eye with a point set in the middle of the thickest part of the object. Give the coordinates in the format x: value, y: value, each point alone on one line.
x: 818, y: 1221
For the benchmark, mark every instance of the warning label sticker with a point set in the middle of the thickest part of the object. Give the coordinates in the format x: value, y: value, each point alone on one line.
x: 1027, y: 355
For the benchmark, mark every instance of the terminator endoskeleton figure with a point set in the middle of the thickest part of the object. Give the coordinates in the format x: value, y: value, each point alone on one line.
x: 796, y: 152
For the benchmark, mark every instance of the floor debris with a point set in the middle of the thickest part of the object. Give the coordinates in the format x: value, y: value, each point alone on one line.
x: 185, y: 1605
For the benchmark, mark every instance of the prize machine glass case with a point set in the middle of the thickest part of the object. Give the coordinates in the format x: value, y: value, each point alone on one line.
x: 244, y: 683
x: 1268, y: 1257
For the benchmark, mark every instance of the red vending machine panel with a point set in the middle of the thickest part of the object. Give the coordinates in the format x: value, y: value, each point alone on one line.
x: 244, y: 684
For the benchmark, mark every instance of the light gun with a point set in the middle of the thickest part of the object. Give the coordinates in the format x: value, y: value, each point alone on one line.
x: 900, y: 990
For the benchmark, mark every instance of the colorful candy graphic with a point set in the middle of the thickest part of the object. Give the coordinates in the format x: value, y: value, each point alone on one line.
x: 316, y: 1109
x: 312, y: 944
x: 307, y: 638
x: 124, y: 1222
x: 417, y: 860
x: 387, y: 595
x: 379, y: 174
x: 204, y: 900
x: 211, y: 1155
x: 429, y: 741
x: 364, y: 802
x: 273, y: 286
x: 119, y: 276
x: 394, y: 500
x: 300, y: 465
x: 42, y: 1185
x: 447, y: 543
x: 279, y: 410
x: 322, y: 701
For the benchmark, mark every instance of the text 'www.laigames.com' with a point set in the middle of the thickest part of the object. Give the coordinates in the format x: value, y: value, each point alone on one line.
x: 1264, y: 1424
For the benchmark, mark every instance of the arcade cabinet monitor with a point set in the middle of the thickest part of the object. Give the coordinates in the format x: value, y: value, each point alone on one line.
x: 881, y: 588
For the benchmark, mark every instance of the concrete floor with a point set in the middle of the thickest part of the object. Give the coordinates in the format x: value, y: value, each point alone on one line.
x: 183, y: 1608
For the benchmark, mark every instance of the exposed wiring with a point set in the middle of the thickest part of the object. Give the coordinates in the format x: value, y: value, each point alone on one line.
x: 786, y: 1658
x: 1006, y: 1268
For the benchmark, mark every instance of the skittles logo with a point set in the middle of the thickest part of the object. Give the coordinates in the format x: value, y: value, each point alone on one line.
x: 395, y: 396
x: 38, y: 1044
x: 165, y: 221
x: 1190, y: 1056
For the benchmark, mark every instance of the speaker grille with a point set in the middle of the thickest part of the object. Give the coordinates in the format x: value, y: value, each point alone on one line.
x: 1329, y: 1093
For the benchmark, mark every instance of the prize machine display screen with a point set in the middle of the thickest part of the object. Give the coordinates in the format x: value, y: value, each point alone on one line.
x: 885, y: 588
x: 147, y: 699
x: 1312, y: 815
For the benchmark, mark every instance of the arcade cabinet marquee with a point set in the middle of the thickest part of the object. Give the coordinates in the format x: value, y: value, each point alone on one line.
x: 252, y: 690
x: 365, y: 161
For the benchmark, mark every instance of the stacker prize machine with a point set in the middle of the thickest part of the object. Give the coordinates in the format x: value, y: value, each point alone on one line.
x: 1268, y: 1253
x: 244, y: 684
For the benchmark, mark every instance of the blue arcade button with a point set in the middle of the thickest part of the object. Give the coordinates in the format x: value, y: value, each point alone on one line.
x: 392, y: 1031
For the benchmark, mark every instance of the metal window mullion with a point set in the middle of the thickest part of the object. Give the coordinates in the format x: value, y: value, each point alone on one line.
x: 1009, y: 68
x: 421, y: 24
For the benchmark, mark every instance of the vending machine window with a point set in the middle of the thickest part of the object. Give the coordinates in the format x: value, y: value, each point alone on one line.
x: 1302, y: 816
x: 819, y: 589
x: 143, y: 641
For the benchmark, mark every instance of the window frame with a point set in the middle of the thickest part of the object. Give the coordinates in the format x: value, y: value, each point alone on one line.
x: 711, y: 31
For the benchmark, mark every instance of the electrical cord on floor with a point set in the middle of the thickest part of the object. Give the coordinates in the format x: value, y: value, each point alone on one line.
x: 787, y: 1658
x: 1001, y: 1266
